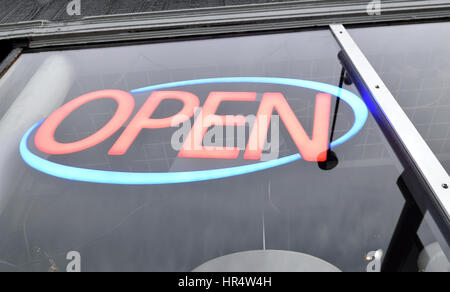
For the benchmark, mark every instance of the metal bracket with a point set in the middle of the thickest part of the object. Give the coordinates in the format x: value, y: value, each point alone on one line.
x: 9, y: 60
x: 405, y: 245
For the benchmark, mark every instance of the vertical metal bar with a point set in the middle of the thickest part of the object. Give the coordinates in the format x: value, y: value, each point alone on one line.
x: 431, y: 190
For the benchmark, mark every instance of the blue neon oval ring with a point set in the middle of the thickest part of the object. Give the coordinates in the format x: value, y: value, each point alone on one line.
x: 134, y: 178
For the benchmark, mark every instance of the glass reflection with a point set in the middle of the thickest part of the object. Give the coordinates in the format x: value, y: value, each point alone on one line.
x: 338, y: 215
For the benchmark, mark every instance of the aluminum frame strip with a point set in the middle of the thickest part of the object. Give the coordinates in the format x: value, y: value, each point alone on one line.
x: 216, y: 21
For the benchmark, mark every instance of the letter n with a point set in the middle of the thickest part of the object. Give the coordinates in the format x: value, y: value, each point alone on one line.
x: 314, y: 149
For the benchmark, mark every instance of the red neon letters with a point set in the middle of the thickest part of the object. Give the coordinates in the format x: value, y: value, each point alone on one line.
x: 142, y: 119
x: 311, y: 150
x: 45, y: 137
x: 314, y: 149
x: 193, y: 148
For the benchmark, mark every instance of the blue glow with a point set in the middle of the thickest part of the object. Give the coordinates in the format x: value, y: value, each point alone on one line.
x: 134, y: 178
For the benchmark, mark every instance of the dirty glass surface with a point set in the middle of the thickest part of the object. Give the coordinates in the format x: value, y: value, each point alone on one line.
x: 338, y: 215
x: 414, y: 61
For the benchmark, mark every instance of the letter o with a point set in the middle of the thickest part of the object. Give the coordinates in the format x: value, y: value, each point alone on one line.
x: 45, y: 137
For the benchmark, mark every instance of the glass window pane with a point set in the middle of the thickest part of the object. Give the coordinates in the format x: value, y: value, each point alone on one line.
x: 414, y: 61
x: 338, y: 215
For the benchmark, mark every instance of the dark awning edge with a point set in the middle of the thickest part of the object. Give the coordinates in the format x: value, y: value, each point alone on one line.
x: 218, y: 20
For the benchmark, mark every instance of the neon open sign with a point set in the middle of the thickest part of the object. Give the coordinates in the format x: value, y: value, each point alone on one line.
x: 310, y: 149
